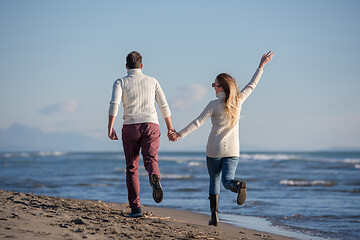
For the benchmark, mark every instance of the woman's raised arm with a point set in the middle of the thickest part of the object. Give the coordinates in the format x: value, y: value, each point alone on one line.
x: 265, y: 59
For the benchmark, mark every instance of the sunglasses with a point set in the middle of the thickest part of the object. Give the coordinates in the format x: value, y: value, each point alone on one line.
x: 213, y: 85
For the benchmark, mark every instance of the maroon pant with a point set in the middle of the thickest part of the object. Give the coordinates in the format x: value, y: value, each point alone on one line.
x: 147, y: 137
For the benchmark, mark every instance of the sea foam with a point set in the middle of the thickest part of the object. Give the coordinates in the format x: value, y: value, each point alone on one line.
x: 303, y: 183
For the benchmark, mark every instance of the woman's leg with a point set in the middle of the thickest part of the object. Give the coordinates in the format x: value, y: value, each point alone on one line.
x: 229, y: 165
x: 214, y: 169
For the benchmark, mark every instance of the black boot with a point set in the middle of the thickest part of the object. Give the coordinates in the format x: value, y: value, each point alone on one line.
x: 239, y: 187
x: 214, y: 203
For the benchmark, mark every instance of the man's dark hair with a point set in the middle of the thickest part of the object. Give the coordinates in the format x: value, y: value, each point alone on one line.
x: 134, y: 60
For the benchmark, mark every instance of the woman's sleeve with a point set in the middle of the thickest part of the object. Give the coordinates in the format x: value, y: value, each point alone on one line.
x: 247, y: 90
x: 115, y: 99
x: 197, y: 122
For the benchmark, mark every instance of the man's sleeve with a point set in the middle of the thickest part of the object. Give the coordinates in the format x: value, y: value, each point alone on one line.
x: 161, y: 101
x: 115, y: 99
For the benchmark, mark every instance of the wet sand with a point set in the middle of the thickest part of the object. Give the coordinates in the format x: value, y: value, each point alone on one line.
x: 28, y: 216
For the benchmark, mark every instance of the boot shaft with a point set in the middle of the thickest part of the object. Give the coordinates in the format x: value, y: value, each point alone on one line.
x: 214, y: 204
x: 234, y: 186
x: 214, y: 201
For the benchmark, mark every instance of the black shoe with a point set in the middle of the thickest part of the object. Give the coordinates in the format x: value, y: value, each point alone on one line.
x: 135, y: 213
x: 239, y: 187
x: 157, y: 190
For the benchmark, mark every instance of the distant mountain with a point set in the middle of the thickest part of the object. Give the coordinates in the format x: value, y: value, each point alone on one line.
x: 19, y: 137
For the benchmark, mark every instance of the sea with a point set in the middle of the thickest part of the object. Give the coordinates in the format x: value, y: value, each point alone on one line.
x: 305, y: 195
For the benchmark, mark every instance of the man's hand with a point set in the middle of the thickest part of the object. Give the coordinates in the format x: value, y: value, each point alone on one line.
x: 111, y: 131
x: 112, y: 134
x: 169, y: 134
x: 173, y: 135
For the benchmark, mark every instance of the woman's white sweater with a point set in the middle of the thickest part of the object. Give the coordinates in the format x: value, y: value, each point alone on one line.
x: 222, y: 141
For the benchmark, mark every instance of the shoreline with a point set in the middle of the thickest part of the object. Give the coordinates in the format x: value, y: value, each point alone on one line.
x: 28, y: 216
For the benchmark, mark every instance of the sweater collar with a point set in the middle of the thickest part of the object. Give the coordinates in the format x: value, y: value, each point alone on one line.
x: 134, y: 71
x: 221, y: 95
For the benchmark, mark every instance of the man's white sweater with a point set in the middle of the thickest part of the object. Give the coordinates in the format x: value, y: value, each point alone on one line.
x: 138, y: 93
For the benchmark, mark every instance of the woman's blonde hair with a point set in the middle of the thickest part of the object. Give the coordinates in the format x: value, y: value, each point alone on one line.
x: 232, y: 99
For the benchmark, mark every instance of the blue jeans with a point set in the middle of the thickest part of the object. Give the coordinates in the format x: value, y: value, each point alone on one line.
x: 221, y: 168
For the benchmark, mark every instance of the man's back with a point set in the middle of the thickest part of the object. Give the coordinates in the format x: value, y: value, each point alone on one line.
x: 138, y: 93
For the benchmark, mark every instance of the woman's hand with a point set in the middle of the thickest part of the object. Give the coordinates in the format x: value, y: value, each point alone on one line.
x: 265, y: 59
x: 173, y: 136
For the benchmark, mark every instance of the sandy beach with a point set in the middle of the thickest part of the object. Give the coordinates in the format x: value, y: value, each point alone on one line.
x: 28, y: 216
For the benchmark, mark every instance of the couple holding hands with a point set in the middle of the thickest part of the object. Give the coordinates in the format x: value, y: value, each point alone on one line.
x: 139, y: 92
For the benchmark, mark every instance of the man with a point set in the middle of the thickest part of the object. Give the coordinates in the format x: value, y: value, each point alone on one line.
x: 138, y: 93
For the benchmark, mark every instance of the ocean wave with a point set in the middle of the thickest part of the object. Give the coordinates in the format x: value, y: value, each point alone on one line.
x: 142, y: 172
x: 196, y: 164
x: 303, y: 183
x: 182, y: 159
x: 33, y: 154
x: 352, y: 160
x: 188, y: 190
x: 38, y: 185
x: 92, y: 184
x: 257, y: 203
x: 11, y: 155
x: 309, y: 157
x: 108, y: 179
x: 48, y: 154
x: 176, y: 176
x: 308, y: 218
x: 6, y: 155
x: 357, y: 166
x: 119, y: 170
x: 267, y: 157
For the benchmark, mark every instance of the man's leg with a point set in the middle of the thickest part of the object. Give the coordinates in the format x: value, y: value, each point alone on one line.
x: 149, y: 143
x: 131, y: 144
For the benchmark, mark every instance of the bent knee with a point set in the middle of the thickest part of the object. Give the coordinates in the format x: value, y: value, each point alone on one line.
x: 226, y: 183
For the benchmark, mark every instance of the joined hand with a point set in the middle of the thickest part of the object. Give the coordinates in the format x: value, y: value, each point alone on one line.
x: 173, y: 135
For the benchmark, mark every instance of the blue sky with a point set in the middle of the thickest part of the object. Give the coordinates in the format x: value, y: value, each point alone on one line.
x: 59, y: 59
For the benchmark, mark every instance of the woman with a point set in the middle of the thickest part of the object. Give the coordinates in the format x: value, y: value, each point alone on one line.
x: 222, y: 150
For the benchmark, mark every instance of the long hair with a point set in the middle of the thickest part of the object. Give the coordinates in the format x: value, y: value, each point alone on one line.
x: 232, y: 99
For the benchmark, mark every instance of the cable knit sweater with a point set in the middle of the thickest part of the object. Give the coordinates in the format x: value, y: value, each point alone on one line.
x: 222, y: 141
x: 138, y: 93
